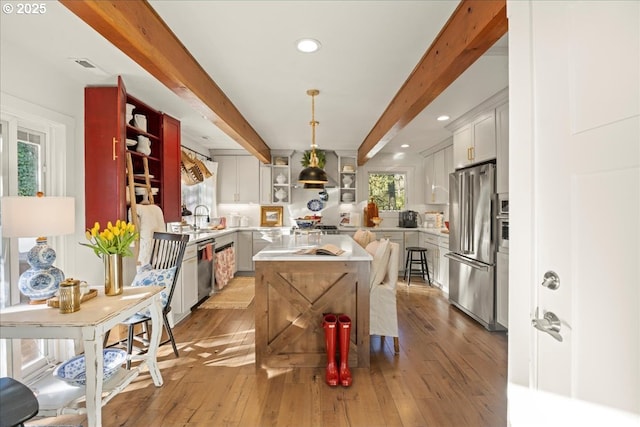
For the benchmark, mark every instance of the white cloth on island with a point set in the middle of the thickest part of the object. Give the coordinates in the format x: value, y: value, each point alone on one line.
x: 383, y: 312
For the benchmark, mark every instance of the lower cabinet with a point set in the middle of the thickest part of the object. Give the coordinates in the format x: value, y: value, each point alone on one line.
x: 257, y: 244
x: 437, y: 246
x: 502, y: 289
x: 430, y: 242
x: 244, y: 251
x: 443, y: 263
x: 395, y: 237
x: 185, y: 295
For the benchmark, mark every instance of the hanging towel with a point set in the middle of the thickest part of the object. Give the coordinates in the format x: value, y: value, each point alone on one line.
x: 225, y: 264
x: 207, y: 254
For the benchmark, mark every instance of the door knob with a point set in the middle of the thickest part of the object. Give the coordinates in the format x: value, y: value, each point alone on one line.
x: 551, y: 280
x: 550, y: 323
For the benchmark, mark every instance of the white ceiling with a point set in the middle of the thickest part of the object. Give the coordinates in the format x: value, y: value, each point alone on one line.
x: 369, y: 48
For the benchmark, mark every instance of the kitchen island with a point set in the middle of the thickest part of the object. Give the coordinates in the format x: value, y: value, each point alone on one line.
x: 292, y: 293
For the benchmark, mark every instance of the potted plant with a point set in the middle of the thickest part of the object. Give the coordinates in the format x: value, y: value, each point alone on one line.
x: 306, y: 158
x: 111, y: 244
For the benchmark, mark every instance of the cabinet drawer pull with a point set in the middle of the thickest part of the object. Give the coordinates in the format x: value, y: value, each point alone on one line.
x: 115, y: 141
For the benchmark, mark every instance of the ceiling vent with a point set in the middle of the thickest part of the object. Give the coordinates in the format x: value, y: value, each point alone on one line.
x: 86, y: 64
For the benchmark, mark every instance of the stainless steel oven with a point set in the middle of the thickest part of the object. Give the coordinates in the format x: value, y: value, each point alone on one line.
x: 502, y: 221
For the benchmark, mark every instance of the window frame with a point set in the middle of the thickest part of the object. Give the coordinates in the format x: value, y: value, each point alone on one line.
x: 17, y: 114
x: 390, y: 172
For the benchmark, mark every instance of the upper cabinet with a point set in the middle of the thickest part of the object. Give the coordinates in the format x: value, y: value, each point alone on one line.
x: 238, y: 179
x: 502, y: 142
x: 437, y: 167
x: 116, y: 122
x: 475, y: 142
x: 475, y: 133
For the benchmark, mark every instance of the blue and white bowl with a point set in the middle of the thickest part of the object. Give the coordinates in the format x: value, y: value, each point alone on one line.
x: 73, y: 371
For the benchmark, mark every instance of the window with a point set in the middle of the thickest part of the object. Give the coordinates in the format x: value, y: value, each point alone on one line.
x: 387, y: 190
x: 31, y: 139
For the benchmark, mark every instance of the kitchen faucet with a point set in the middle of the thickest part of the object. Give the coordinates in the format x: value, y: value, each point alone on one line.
x: 195, y: 215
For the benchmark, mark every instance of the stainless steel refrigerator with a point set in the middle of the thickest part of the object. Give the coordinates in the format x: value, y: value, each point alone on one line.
x: 472, y: 255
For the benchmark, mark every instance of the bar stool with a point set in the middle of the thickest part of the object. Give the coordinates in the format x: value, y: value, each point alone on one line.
x: 421, y: 259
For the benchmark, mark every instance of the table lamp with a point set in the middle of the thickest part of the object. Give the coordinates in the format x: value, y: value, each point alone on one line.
x: 37, y: 217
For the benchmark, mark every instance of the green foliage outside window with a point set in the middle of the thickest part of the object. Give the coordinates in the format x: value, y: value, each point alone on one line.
x: 28, y: 166
x: 387, y: 190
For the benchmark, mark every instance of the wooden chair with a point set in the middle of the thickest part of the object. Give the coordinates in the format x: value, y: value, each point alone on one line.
x: 19, y: 404
x: 167, y: 253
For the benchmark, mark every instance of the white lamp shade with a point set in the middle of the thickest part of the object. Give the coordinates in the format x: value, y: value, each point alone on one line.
x: 37, y: 216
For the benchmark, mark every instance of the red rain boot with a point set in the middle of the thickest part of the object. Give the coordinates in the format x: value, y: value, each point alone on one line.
x: 344, y: 328
x: 329, y: 325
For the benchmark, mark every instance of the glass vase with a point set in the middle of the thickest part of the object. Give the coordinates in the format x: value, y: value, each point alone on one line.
x: 113, y: 281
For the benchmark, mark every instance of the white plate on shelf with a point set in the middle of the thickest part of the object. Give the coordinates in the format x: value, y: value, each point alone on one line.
x: 141, y: 191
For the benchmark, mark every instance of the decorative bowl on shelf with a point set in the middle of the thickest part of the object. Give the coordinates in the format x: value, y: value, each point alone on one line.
x: 74, y: 372
x: 305, y: 223
x: 376, y: 221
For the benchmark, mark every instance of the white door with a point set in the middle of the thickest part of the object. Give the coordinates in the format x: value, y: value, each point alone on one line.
x: 575, y: 210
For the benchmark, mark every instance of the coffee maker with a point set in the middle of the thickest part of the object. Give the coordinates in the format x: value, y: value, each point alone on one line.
x: 408, y: 219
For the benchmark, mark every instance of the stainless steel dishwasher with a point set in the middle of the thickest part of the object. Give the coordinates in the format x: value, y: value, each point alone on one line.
x: 206, y: 267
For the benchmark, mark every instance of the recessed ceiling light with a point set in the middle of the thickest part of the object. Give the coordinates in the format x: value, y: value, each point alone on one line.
x: 405, y: 146
x: 308, y: 45
x: 443, y: 118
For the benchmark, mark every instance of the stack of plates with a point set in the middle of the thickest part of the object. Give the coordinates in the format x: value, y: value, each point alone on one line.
x: 347, y: 197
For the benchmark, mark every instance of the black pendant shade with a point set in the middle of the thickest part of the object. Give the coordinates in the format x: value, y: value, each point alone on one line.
x: 309, y: 186
x: 313, y: 175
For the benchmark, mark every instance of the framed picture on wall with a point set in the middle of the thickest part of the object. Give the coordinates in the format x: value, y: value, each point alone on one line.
x: 271, y: 216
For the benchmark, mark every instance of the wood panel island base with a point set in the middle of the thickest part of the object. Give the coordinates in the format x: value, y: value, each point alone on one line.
x: 293, y: 292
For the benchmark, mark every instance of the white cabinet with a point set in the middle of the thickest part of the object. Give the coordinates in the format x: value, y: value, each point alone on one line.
x: 502, y: 144
x: 502, y: 289
x: 475, y: 142
x: 430, y: 242
x: 347, y: 167
x: 395, y: 237
x: 238, y: 179
x: 438, y: 166
x: 244, y: 251
x: 185, y: 295
x: 257, y: 244
x: 443, y: 263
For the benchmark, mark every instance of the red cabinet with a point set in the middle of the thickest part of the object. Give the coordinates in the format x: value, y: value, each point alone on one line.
x: 106, y: 133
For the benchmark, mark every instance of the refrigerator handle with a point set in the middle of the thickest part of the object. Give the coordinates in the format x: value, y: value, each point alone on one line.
x: 468, y: 262
x: 471, y: 217
x: 463, y: 211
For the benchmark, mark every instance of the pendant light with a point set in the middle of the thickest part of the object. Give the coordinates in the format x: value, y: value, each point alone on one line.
x: 312, y: 176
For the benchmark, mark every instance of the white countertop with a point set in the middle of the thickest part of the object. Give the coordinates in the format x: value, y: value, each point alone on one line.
x: 286, y: 248
x: 204, y: 234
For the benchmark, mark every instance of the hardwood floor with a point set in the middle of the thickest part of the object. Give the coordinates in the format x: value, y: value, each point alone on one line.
x: 450, y: 372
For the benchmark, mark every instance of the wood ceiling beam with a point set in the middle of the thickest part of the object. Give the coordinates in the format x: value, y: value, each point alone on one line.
x: 137, y: 30
x: 473, y: 28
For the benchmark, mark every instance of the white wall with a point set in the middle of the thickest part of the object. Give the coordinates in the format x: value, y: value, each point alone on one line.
x: 31, y: 88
